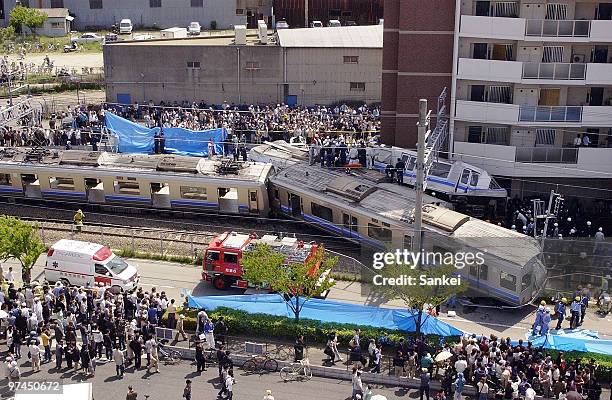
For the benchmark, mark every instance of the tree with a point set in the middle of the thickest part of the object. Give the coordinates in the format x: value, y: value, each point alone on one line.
x: 20, y: 240
x: 295, y: 282
x: 416, y: 295
x: 28, y: 17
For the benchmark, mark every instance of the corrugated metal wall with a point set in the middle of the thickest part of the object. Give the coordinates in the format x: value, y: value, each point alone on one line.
x: 363, y: 12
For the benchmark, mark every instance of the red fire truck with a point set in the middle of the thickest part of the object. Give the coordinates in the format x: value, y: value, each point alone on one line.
x: 221, y: 264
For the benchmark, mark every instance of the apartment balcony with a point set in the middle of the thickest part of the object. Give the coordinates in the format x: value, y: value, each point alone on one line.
x: 537, y: 161
x: 576, y: 74
x: 574, y: 31
x: 524, y: 115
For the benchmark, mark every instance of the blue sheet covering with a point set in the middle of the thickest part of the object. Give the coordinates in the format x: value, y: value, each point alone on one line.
x: 135, y: 138
x: 186, y: 142
x: 328, y: 311
x: 132, y: 138
x: 573, y: 341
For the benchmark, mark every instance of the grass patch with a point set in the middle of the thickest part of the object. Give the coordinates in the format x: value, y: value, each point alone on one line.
x: 130, y: 253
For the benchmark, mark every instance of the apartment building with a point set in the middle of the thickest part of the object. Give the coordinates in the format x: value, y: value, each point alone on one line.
x: 528, y: 78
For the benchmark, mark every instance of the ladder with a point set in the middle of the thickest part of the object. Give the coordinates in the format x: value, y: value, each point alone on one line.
x: 435, y: 140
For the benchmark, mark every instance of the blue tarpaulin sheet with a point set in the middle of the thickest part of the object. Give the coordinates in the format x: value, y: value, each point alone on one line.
x: 135, y: 138
x: 186, y: 142
x: 573, y: 341
x: 328, y: 311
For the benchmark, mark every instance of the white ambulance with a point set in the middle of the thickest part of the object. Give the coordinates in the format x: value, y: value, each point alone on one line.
x: 89, y: 264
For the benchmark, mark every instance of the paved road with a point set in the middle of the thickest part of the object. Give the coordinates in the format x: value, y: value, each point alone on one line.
x: 169, y: 383
x: 174, y: 278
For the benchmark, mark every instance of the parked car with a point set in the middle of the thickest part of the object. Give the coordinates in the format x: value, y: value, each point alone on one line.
x: 316, y: 24
x: 110, y: 37
x: 88, y: 37
x: 350, y: 23
x: 334, y: 23
x: 282, y: 24
x: 125, y: 26
x: 194, y: 29
x: 144, y: 36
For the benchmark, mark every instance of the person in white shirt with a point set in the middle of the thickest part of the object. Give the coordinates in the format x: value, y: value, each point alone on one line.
x: 8, y: 275
x: 229, y: 385
x: 119, y: 358
x: 483, y: 389
x: 586, y: 141
x: 268, y: 395
x: 529, y: 393
x: 35, y: 355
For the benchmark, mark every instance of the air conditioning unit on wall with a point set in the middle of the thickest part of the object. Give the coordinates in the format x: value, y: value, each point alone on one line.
x: 578, y: 58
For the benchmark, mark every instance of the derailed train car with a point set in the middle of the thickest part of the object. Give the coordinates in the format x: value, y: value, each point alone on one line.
x: 360, y: 207
x: 133, y: 180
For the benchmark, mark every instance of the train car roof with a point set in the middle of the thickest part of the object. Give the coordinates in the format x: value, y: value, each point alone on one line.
x: 497, y: 241
x: 362, y: 189
x: 165, y: 164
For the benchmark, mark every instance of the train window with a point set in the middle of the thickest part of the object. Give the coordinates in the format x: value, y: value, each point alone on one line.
x: 5, y: 179
x: 253, y: 196
x: 59, y: 183
x: 407, y: 242
x: 480, y: 271
x: 379, y: 233
x: 465, y: 176
x: 230, y: 258
x: 193, y: 192
x: 322, y: 212
x: 410, y: 164
x: 474, y: 179
x: 212, y: 255
x: 525, y: 281
x: 125, y: 187
x: 507, y: 281
x: 440, y: 170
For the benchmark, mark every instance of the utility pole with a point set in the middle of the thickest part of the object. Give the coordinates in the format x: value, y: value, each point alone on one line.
x: 423, y: 125
x: 305, y: 13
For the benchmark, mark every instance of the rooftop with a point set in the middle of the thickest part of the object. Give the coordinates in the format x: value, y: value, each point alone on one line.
x: 217, y: 40
x: 365, y: 36
x: 165, y: 164
x: 55, y: 12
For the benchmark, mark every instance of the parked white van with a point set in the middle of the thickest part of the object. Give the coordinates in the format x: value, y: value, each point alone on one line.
x: 125, y: 26
x: 89, y: 264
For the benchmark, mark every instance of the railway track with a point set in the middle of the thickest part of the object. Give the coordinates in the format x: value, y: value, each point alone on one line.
x: 139, y: 235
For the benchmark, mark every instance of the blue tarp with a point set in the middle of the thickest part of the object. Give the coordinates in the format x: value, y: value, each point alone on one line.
x: 186, y: 142
x: 328, y: 311
x: 135, y: 138
x: 573, y: 341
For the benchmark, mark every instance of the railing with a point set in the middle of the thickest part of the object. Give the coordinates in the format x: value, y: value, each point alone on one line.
x: 547, y: 155
x: 557, y: 28
x: 560, y: 71
x: 550, y: 114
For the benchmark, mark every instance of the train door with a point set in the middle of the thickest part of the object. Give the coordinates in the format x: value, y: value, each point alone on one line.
x: 410, y: 177
x: 295, y: 203
x: 253, y: 202
x: 463, y: 182
x: 351, y: 223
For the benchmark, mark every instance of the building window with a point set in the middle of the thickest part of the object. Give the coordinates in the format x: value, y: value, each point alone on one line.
x: 197, y: 3
x: 357, y: 86
x: 351, y: 59
x: 57, y: 25
x: 379, y: 233
x: 191, y: 192
x: 507, y: 281
x: 193, y: 64
x: 545, y: 137
x: 474, y: 134
x: 25, y: 3
x: 252, y: 65
x: 155, y: 3
x: 95, y: 4
x: 57, y: 3
x: 323, y: 212
x: 240, y: 11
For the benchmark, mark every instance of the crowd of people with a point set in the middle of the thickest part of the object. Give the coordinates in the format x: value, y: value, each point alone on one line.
x: 496, y: 368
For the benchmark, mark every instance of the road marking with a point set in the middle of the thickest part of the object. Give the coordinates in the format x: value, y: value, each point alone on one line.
x: 159, y: 286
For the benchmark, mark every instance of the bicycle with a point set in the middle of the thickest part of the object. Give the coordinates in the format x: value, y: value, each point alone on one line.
x: 297, y: 371
x: 167, y: 355
x: 260, y: 363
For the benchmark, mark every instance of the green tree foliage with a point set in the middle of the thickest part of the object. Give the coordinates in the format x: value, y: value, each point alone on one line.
x: 416, y: 296
x: 7, y: 34
x: 295, y: 282
x: 28, y: 17
x: 20, y: 240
